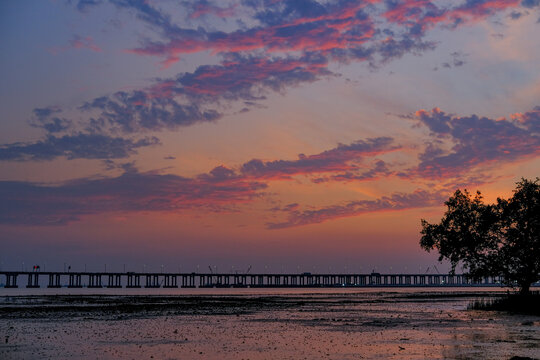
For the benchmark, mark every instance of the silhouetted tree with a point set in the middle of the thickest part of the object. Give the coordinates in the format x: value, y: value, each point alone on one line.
x: 494, y: 239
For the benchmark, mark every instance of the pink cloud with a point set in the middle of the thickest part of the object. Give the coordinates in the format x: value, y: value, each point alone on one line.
x: 322, y: 33
x: 84, y: 43
x: 202, y: 9
x: 77, y: 42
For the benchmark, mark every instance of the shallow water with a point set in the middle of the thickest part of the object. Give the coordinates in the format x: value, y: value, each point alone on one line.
x: 264, y: 324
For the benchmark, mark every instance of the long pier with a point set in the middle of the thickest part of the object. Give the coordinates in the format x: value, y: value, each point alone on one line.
x: 34, y: 279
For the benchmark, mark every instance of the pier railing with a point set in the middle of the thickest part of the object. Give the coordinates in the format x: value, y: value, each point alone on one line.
x: 36, y: 279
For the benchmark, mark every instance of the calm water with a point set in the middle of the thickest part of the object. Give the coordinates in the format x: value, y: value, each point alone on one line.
x: 260, y: 324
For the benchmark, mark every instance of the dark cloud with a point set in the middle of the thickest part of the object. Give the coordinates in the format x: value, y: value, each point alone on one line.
x: 437, y: 121
x: 483, y: 8
x: 458, y: 59
x: 379, y: 169
x: 26, y: 203
x: 246, y: 78
x: 45, y: 118
x: 394, y: 202
x: 391, y: 48
x: 286, y: 208
x: 273, y: 13
x: 530, y: 3
x: 44, y: 113
x: 188, y: 99
x: 420, y: 16
x: 338, y: 159
x: 205, y: 8
x: 219, y: 174
x: 78, y: 146
x: 514, y: 15
x: 144, y: 110
x: 84, y: 5
x: 109, y: 164
x: 126, y: 167
x: 55, y: 125
x: 147, y: 13
x: 475, y: 141
x: 529, y: 120
x: 416, y: 16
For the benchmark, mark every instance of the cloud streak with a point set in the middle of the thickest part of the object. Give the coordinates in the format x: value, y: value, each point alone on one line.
x: 26, y: 203
x: 395, y: 202
x: 77, y: 146
x: 338, y: 159
x: 77, y: 42
x: 205, y: 8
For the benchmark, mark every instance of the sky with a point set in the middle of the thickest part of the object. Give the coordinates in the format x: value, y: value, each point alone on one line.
x: 294, y: 135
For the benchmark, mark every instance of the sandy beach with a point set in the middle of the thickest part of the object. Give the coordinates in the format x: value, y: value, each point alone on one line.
x: 354, y: 325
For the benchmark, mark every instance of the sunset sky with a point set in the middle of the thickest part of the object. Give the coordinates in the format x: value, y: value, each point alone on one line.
x: 294, y: 135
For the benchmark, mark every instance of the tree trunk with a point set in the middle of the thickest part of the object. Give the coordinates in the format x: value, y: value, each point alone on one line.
x: 524, y: 289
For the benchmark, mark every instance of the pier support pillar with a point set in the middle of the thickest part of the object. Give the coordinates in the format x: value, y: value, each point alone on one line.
x: 75, y: 281
x: 152, y: 281
x: 11, y: 281
x: 133, y: 281
x: 33, y: 280
x: 115, y: 281
x: 94, y: 281
x: 54, y: 281
x: 170, y: 281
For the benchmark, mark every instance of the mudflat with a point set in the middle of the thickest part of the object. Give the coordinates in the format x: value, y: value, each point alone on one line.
x: 280, y: 325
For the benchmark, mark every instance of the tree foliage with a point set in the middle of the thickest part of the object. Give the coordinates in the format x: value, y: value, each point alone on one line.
x: 491, y: 239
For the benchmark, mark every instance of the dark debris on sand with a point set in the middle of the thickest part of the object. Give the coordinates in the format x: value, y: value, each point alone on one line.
x: 122, y: 307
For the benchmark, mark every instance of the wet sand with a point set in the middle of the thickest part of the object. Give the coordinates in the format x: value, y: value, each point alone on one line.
x: 363, y: 325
